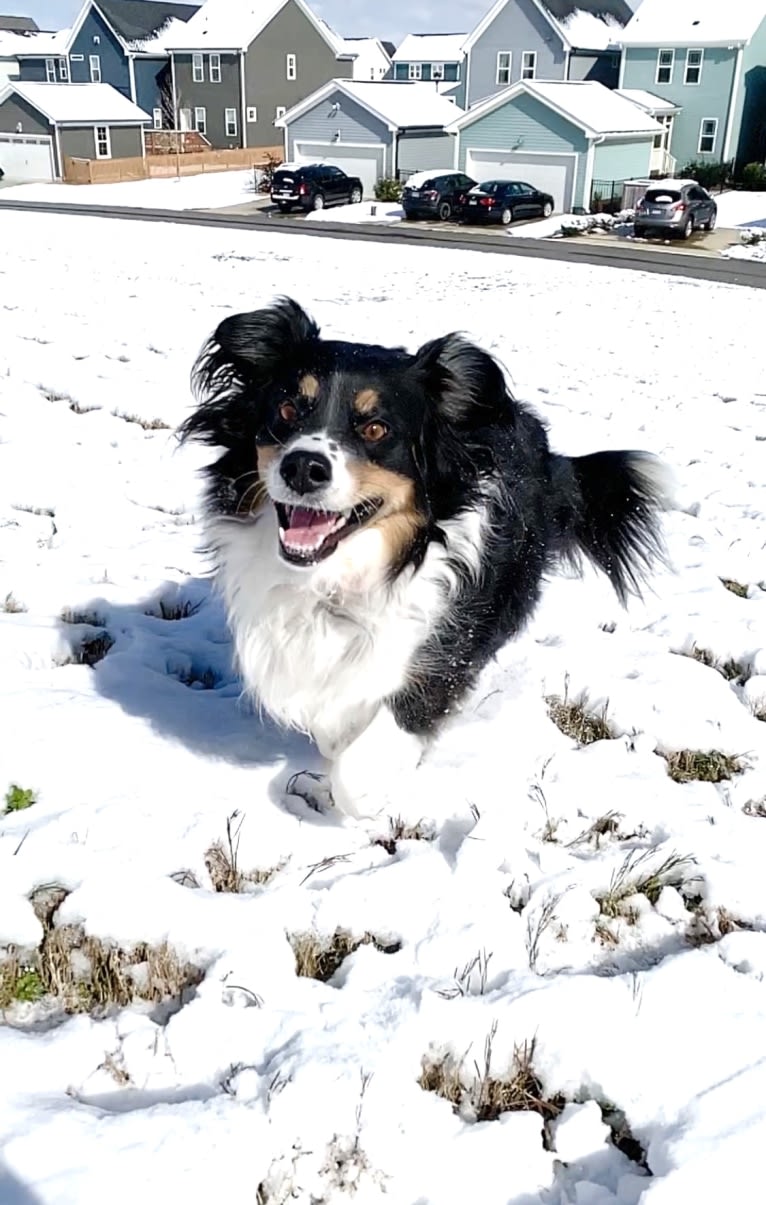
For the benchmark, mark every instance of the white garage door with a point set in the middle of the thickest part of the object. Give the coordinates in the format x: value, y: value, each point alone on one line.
x: 26, y: 157
x: 366, y: 162
x: 554, y: 174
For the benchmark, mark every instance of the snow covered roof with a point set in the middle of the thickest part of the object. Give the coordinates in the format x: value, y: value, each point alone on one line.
x: 694, y: 23
x: 18, y: 24
x: 648, y: 101
x: 591, y: 106
x: 400, y: 104
x: 141, y: 20
x: 581, y: 24
x: 234, y: 24
x: 22, y: 45
x: 371, y: 59
x: 430, y: 48
x: 77, y: 104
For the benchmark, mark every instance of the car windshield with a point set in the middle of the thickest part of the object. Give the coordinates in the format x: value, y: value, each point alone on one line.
x: 490, y: 186
x: 425, y: 184
x: 662, y: 196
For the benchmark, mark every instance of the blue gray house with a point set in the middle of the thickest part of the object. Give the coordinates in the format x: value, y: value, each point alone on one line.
x: 429, y: 56
x: 572, y: 139
x: 709, y: 63
x: 545, y: 40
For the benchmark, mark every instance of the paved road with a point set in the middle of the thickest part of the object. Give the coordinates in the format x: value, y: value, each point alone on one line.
x: 634, y: 257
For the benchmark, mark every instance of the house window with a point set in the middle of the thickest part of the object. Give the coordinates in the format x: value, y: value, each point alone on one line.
x: 708, y: 133
x: 415, y: 71
x: 157, y: 119
x: 693, y: 70
x: 503, y: 73
x: 103, y: 143
x: 200, y: 120
x: 279, y: 112
x: 252, y: 113
x: 230, y: 121
x: 97, y: 40
x: 664, y: 72
x: 95, y: 68
x: 662, y: 139
x: 437, y: 71
x: 198, y: 68
x: 64, y: 71
x: 50, y: 71
x: 77, y: 58
x: 291, y: 63
x: 529, y: 64
x: 215, y: 69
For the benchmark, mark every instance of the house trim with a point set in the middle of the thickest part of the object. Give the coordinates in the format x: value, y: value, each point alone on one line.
x: 670, y: 44
x: 736, y: 81
x: 243, y: 97
x: 338, y: 50
x: 516, y: 90
x: 80, y: 21
x: 325, y: 91
x: 132, y: 78
x: 495, y: 11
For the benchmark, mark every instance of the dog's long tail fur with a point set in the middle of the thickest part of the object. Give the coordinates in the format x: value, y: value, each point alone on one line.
x: 612, y: 514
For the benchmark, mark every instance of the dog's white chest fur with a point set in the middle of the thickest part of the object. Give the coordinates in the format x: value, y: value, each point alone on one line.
x: 321, y: 648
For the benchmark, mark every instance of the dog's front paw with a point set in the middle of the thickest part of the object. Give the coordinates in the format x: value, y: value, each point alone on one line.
x: 313, y: 789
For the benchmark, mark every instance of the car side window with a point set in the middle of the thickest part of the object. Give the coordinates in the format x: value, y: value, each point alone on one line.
x: 334, y: 173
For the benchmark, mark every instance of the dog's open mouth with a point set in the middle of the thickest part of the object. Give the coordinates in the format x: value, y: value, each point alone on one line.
x: 307, y: 536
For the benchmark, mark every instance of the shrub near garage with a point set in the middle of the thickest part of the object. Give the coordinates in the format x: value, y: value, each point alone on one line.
x: 388, y: 190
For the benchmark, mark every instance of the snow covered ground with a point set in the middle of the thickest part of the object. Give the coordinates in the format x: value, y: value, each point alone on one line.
x: 741, y: 209
x: 209, y: 190
x: 365, y: 211
x: 570, y: 918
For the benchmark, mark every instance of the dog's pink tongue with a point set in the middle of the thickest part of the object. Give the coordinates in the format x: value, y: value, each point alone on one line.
x: 309, y: 527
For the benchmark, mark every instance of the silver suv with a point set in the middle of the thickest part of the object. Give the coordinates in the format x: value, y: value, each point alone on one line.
x: 676, y: 207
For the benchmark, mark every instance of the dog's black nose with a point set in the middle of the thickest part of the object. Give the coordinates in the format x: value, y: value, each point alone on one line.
x: 305, y: 472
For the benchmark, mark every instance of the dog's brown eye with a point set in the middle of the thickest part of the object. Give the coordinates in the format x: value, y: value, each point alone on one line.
x: 288, y: 412
x: 373, y: 432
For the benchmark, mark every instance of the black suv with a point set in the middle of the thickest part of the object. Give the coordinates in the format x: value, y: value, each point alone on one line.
x: 434, y: 194
x: 312, y: 186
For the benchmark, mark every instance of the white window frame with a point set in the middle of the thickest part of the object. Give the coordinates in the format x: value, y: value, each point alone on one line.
x: 50, y: 71
x: 291, y: 66
x: 661, y: 140
x: 528, y: 68
x: 665, y: 66
x: 230, y: 122
x: 200, y: 119
x: 107, y: 139
x: 437, y: 68
x: 94, y: 66
x: 64, y: 70
x: 503, y: 54
x: 694, y: 67
x: 198, y: 68
x: 252, y: 113
x: 707, y: 121
x: 414, y: 71
x: 214, y: 65
x: 279, y: 112
x: 156, y: 119
x: 97, y: 40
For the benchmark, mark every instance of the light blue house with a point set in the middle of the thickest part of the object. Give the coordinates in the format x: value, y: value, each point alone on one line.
x: 709, y: 62
x: 572, y: 139
x: 431, y: 56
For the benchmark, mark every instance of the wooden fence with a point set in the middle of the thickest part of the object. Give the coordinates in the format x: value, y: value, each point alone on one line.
x: 114, y: 171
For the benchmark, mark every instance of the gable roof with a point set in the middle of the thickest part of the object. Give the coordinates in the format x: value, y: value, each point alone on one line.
x: 18, y: 24
x: 430, y: 48
x: 34, y: 45
x: 77, y: 104
x: 591, y: 107
x: 399, y: 104
x: 141, y: 20
x: 648, y: 101
x: 235, y: 24
x: 581, y: 24
x: 694, y: 23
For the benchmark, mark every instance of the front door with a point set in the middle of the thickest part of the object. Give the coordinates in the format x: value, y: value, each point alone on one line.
x: 185, y: 119
x: 661, y: 145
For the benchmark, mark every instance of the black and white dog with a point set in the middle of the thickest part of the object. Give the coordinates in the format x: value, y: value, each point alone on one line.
x: 382, y: 524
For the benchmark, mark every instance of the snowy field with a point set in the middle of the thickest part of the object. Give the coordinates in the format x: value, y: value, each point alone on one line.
x: 558, y: 929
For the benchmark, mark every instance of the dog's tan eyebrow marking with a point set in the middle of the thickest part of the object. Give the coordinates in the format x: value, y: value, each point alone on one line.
x: 309, y: 386
x: 366, y: 401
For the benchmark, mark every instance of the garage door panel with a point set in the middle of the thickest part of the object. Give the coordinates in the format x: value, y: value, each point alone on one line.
x: 554, y: 174
x: 26, y: 158
x: 366, y: 162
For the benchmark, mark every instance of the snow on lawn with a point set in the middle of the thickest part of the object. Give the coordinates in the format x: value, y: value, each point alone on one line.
x: 210, y: 190
x: 548, y: 922
x: 741, y: 209
x: 365, y: 211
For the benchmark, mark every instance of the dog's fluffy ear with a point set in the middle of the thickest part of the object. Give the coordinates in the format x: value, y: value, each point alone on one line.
x: 245, y: 354
x: 466, y: 384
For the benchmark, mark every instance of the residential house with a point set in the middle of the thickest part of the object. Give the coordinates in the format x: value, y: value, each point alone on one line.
x: 40, y: 124
x: 371, y: 130
x: 545, y: 40
x: 18, y: 25
x: 429, y: 56
x: 238, y: 67
x: 572, y: 139
x: 708, y: 59
x: 118, y: 42
x: 371, y: 60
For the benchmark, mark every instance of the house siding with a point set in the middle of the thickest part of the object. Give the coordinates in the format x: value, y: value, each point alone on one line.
x: 601, y: 68
x: 356, y: 125
x: 748, y: 142
x: 214, y: 98
x: 114, y: 62
x: 79, y: 142
x: 32, y: 71
x: 420, y: 151
x: 14, y: 110
x: 152, y: 78
x: 266, y: 82
x: 622, y: 159
x: 518, y: 27
x: 708, y: 99
x: 524, y: 124
x: 451, y: 71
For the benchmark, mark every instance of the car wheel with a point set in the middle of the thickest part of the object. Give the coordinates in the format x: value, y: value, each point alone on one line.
x: 410, y: 216
x: 639, y: 232
x: 445, y: 211
x: 688, y: 229
x: 356, y: 196
x: 506, y: 216
x: 547, y: 209
x: 710, y: 223
x: 317, y: 201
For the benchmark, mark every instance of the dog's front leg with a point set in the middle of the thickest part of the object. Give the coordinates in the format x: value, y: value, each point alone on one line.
x: 367, y: 777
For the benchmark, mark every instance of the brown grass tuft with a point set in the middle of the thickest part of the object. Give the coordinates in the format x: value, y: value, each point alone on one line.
x: 148, y: 424
x: 319, y: 957
x: 222, y: 862
x: 571, y: 718
x: 693, y: 765
x: 631, y: 879
x: 734, y: 587
x: 755, y: 807
x: 91, y: 618
x: 731, y: 670
x: 400, y: 830
x: 12, y: 606
x: 174, y: 610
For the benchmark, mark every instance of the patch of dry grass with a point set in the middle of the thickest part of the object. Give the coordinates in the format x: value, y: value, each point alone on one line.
x: 319, y: 957
x: 734, y: 587
x: 573, y: 719
x: 200, y: 679
x: 148, y: 424
x: 400, y: 830
x: 695, y: 765
x: 707, y: 927
x: 12, y: 606
x: 91, y: 618
x: 633, y: 878
x: 731, y: 670
x: 222, y: 862
x: 755, y: 807
x: 172, y: 611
